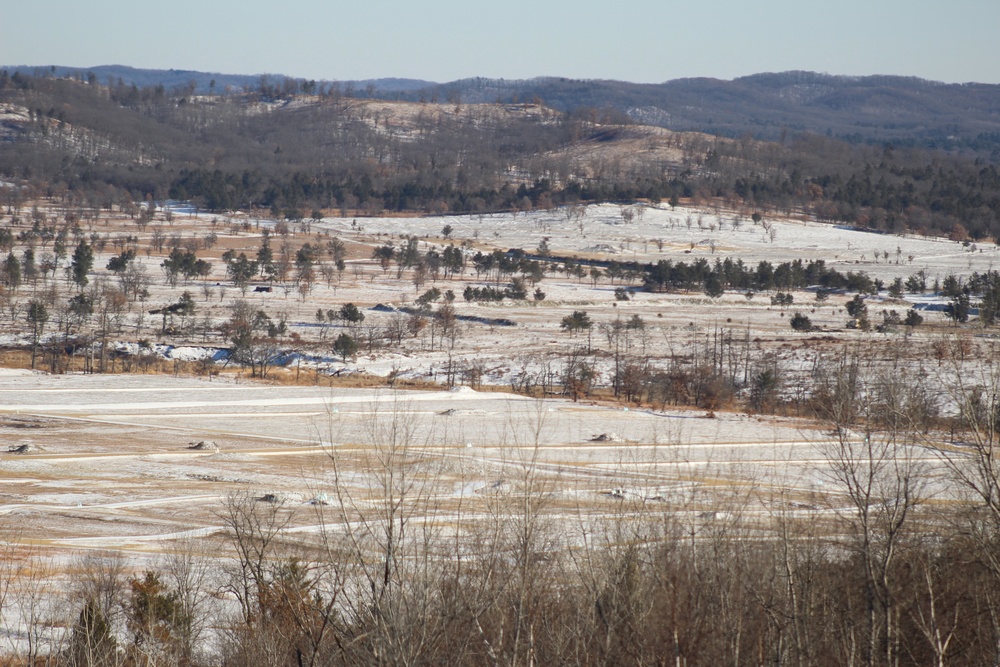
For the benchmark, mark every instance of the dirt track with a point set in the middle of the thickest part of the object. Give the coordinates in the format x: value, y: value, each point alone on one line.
x: 100, y: 474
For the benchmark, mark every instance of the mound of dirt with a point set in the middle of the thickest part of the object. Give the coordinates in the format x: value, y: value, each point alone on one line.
x: 26, y: 422
x: 602, y: 247
x: 203, y: 445
x: 607, y: 437
x: 454, y: 412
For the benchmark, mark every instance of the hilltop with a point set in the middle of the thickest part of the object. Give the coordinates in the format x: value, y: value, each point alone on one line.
x: 906, y: 111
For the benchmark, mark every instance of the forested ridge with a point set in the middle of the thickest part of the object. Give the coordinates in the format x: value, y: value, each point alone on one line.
x: 292, y: 153
x: 906, y: 111
x: 862, y: 110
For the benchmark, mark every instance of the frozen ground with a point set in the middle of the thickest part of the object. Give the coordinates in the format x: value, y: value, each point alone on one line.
x: 112, y: 438
x: 602, y: 231
x: 107, y: 463
x: 110, y: 462
x: 534, y: 344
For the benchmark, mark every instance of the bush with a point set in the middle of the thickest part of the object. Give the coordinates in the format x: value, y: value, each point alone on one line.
x: 351, y: 313
x: 431, y: 295
x: 578, y: 321
x: 801, y: 322
x: 782, y: 299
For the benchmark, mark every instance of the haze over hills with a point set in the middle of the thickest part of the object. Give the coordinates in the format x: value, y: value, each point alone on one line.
x: 904, y: 111
x: 201, y: 82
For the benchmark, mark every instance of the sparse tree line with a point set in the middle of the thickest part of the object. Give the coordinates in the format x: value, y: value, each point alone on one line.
x: 85, y: 313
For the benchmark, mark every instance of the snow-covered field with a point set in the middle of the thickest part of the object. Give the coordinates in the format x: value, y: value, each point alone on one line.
x: 688, y: 234
x: 533, y: 343
x: 107, y: 459
x: 110, y: 462
x: 145, y: 464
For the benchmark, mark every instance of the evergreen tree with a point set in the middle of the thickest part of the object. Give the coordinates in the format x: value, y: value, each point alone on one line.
x: 83, y: 262
x: 12, y: 271
x: 345, y: 346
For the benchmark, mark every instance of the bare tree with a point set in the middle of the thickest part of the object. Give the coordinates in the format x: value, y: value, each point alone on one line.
x: 189, y: 578
x: 255, y: 527
x: 882, y: 482
x: 38, y: 608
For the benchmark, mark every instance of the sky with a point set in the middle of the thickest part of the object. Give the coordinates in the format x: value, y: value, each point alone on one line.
x: 442, y: 40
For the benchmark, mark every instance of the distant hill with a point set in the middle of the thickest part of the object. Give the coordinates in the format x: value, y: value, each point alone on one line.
x: 296, y: 147
x: 903, y: 111
x: 873, y: 109
x: 204, y: 82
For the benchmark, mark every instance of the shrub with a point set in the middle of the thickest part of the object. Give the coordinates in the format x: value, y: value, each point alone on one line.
x: 782, y: 299
x: 801, y: 322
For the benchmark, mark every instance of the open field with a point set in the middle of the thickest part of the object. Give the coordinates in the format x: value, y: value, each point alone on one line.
x: 516, y: 342
x: 109, y: 463
x: 132, y: 471
x: 739, y: 425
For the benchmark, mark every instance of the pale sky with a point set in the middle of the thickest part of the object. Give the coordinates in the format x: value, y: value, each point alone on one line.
x: 443, y: 40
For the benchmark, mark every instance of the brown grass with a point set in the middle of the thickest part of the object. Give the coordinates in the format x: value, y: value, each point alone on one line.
x: 276, y: 376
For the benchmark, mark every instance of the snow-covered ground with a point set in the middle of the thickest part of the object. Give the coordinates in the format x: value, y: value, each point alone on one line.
x: 531, y: 348
x: 113, y: 460
x: 530, y: 351
x: 141, y: 463
x: 110, y: 461
x: 688, y: 234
